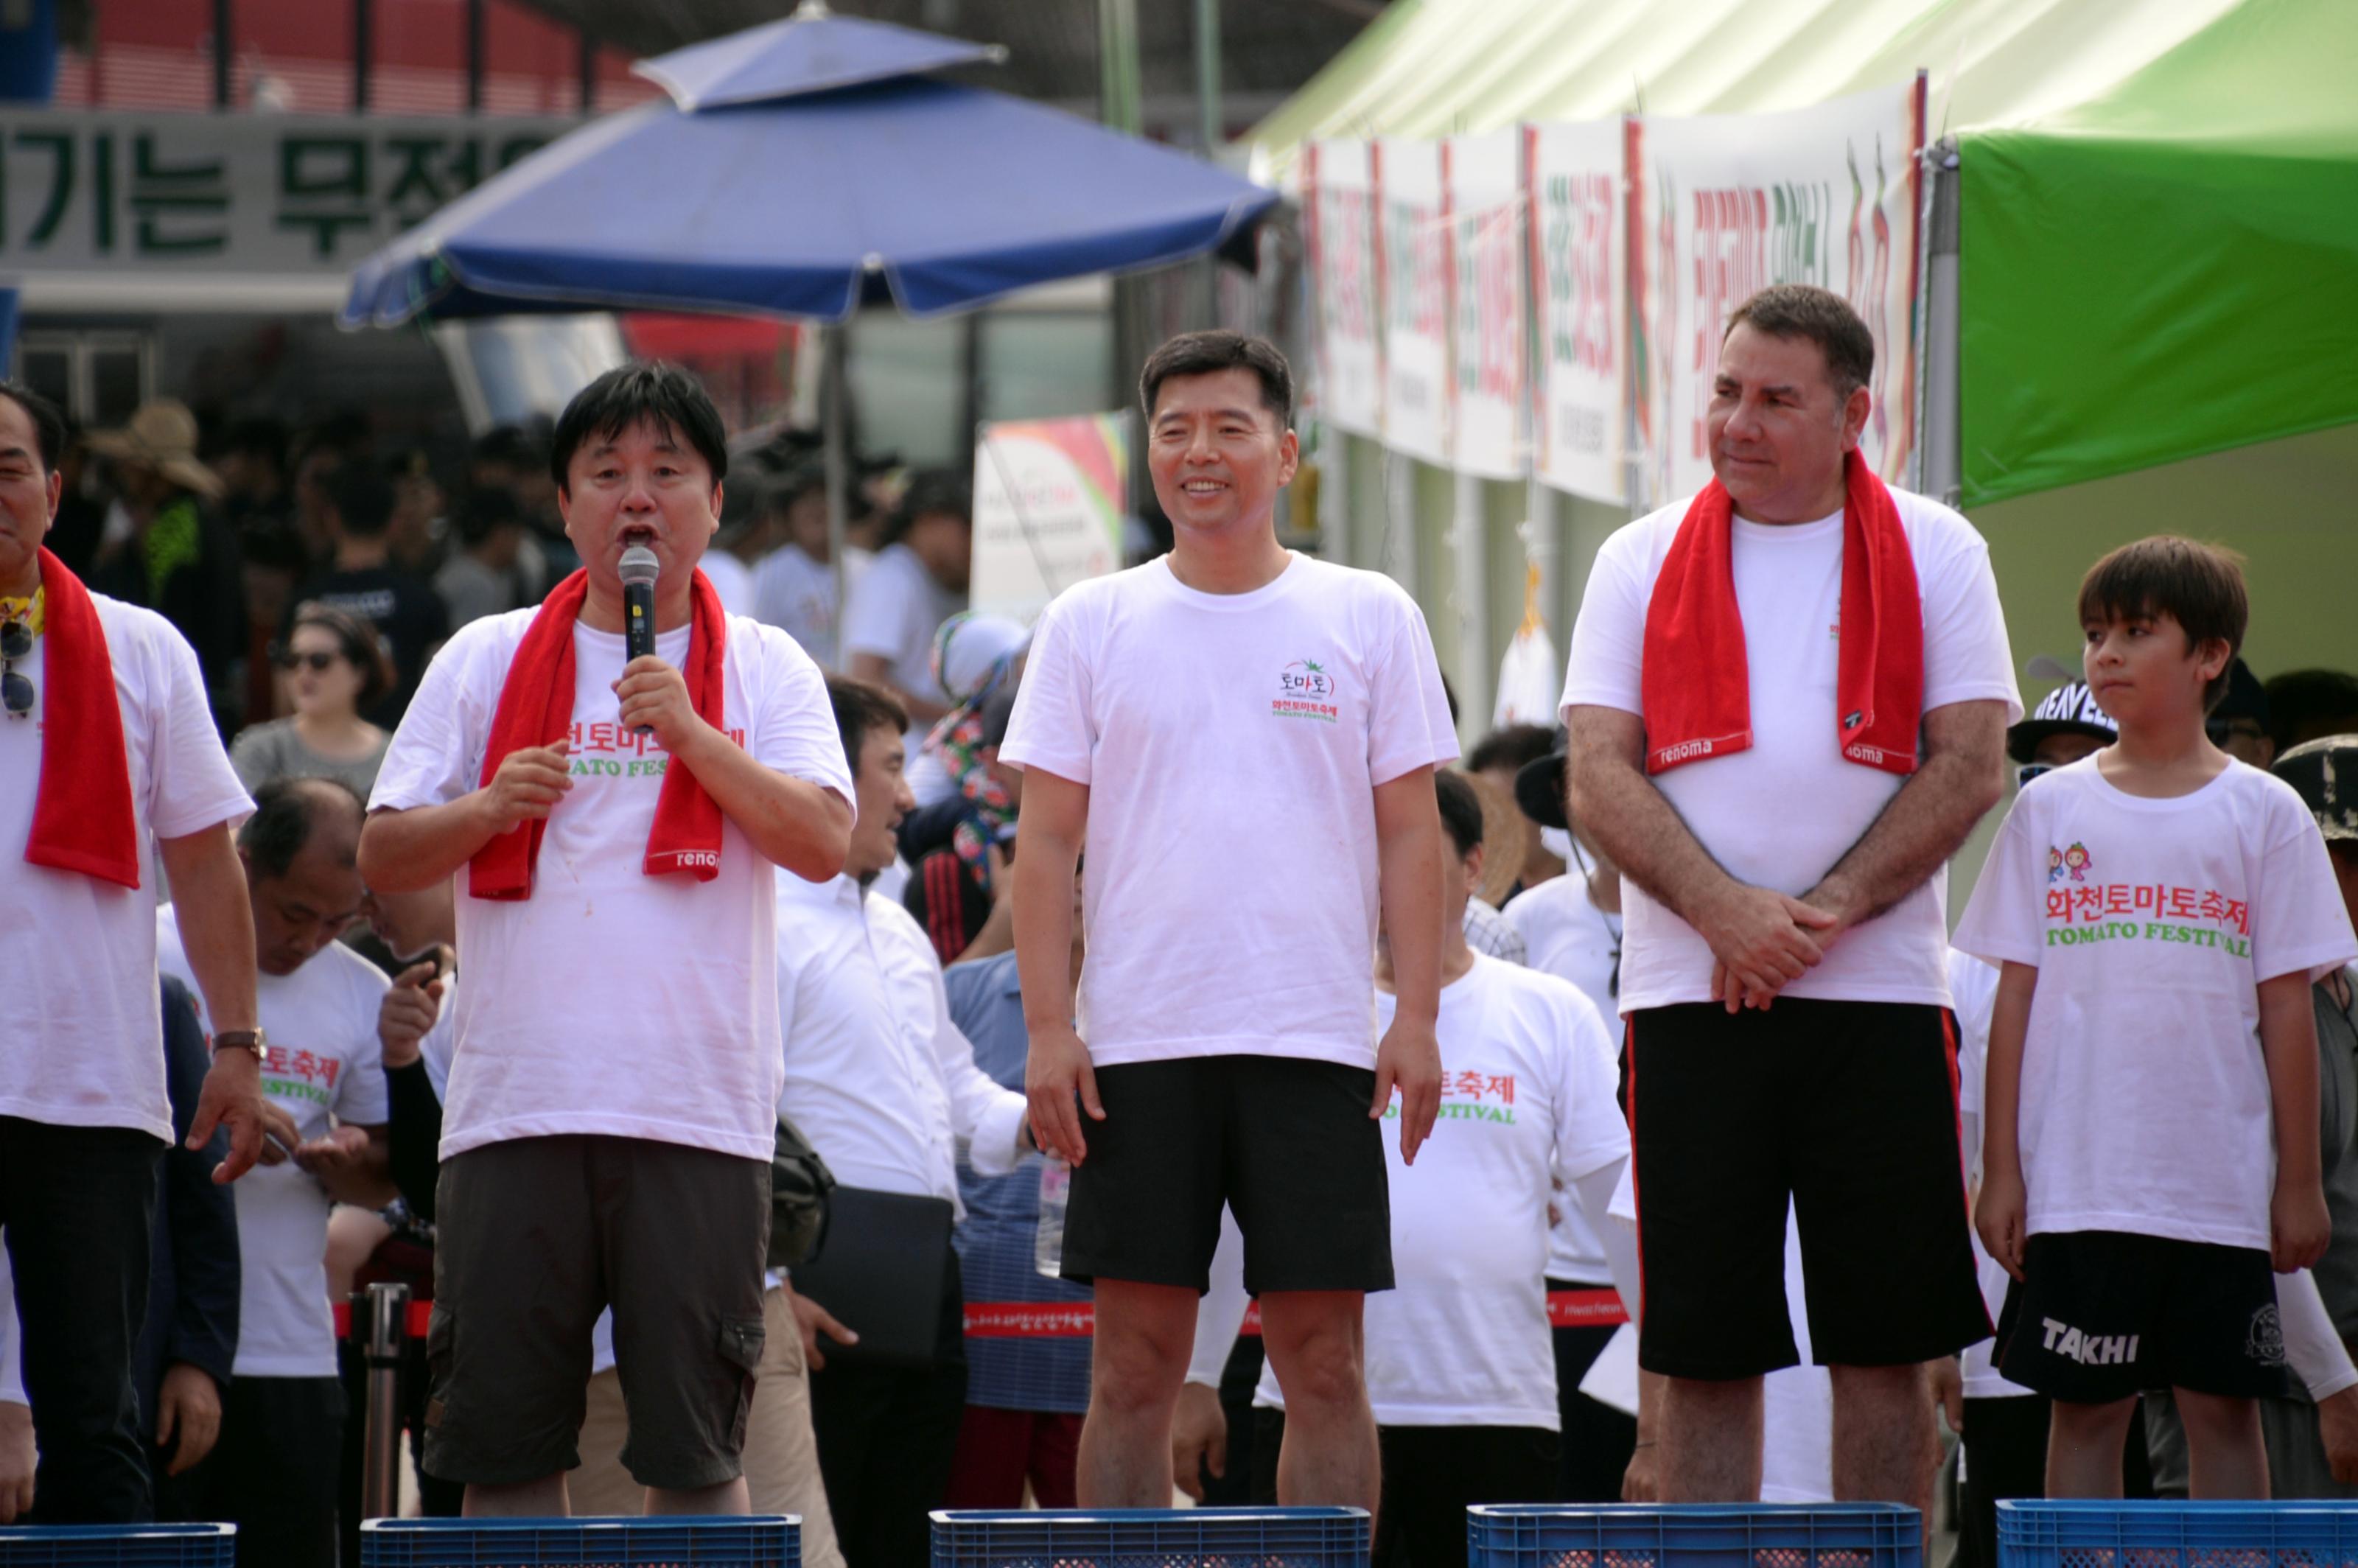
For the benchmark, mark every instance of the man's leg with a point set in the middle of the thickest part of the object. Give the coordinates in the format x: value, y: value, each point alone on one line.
x: 2223, y: 1440
x: 280, y: 1488
x: 1885, y: 1444
x: 781, y: 1449
x: 601, y: 1487
x: 1056, y: 1446
x: 77, y: 1204
x: 1711, y: 1439
x: 1136, y: 1361
x: 1314, y: 1342
x: 850, y: 1420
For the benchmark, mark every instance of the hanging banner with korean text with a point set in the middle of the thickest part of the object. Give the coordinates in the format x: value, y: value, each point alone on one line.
x: 1484, y: 180
x: 1339, y: 202
x: 1579, y: 241
x: 1047, y: 508
x: 165, y: 194
x: 1412, y: 279
x: 1732, y: 203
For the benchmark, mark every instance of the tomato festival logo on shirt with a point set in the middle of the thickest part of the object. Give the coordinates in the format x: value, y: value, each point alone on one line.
x: 2202, y: 917
x: 1471, y: 1095
x: 1304, y: 690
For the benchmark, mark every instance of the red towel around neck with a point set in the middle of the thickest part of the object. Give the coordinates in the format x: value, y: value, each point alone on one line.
x: 1696, y: 687
x: 536, y: 710
x: 83, y: 819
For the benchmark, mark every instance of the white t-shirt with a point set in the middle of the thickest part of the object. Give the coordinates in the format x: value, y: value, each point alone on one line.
x: 325, y: 1066
x: 1781, y: 813
x: 1974, y: 986
x: 796, y: 594
x: 1462, y: 1339
x: 81, y: 1040
x: 1565, y: 934
x: 1233, y: 744
x: 2145, y: 1099
x: 893, y: 611
x: 732, y: 579
x: 611, y: 1001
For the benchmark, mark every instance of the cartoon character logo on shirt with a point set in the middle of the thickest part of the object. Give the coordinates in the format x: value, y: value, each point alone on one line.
x: 1305, y: 690
x: 2054, y: 864
x: 2077, y: 860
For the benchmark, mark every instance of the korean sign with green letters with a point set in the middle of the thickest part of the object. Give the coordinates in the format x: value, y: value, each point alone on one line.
x: 117, y: 192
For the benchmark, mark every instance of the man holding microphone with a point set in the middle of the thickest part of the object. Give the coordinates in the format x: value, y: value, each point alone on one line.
x: 614, y: 820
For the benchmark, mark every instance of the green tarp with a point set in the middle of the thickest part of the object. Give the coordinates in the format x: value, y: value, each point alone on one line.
x: 2172, y: 267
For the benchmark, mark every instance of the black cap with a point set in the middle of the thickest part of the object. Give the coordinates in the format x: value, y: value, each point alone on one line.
x: 2245, y: 699
x: 2070, y: 709
x: 1539, y: 787
x: 2324, y: 773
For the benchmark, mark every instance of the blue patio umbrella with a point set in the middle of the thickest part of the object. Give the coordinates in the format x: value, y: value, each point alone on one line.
x: 803, y: 168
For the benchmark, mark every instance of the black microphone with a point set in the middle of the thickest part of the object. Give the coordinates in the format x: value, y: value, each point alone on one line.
x: 639, y: 568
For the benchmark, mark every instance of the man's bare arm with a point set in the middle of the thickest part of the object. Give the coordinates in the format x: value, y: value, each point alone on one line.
x: 1052, y: 828
x: 209, y: 903
x: 403, y: 851
x: 1962, y: 776
x: 1762, y: 937
x: 796, y: 825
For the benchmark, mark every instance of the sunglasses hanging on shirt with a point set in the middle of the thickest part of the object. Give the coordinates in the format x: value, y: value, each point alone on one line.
x: 15, y: 690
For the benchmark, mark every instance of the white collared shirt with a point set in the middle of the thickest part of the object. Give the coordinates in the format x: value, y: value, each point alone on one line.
x: 878, y: 1077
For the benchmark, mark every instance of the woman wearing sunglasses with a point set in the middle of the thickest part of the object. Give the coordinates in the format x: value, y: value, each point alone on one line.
x: 335, y: 669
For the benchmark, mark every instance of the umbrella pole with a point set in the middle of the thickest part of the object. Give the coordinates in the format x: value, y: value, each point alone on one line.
x: 832, y: 390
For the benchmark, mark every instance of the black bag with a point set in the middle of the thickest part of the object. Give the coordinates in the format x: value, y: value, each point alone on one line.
x: 799, y: 1184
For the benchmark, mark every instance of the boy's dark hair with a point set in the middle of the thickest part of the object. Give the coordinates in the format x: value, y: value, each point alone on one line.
x: 2199, y: 586
x: 361, y: 644
x: 937, y: 491
x: 1515, y: 746
x: 285, y: 812
x: 1824, y: 318
x: 1208, y: 353
x: 365, y: 501
x: 644, y: 390
x: 1461, y: 809
x: 861, y: 707
x: 48, y: 424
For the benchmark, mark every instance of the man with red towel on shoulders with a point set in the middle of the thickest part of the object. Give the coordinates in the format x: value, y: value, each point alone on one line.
x: 1788, y: 700
x: 613, y: 824
x: 105, y: 740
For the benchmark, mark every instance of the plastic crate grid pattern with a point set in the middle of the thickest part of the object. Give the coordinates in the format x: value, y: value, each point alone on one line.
x: 2177, y: 1535
x: 1152, y: 1537
x: 1752, y: 1535
x: 760, y: 1542
x: 119, y: 1546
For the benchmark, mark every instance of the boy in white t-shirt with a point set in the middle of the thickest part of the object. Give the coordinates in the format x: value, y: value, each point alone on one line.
x: 2158, y: 911
x: 1241, y: 735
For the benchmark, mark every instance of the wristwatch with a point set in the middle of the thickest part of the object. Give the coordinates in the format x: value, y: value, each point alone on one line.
x: 240, y: 1039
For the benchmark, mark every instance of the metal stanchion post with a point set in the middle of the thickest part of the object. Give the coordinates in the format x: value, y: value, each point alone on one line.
x: 388, y: 1329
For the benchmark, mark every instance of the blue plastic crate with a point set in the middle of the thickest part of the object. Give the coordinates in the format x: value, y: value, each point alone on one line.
x: 2080, y: 1534
x: 118, y: 1546
x: 1150, y: 1538
x: 759, y: 1540
x: 1695, y: 1535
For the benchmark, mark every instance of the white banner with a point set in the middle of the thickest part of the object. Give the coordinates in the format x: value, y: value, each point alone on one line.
x: 1580, y: 264
x: 1733, y: 203
x: 106, y: 194
x: 1048, y: 497
x: 1484, y: 182
x: 1339, y: 179
x: 1412, y: 272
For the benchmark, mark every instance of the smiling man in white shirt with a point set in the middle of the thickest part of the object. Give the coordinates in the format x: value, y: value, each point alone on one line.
x: 884, y: 1086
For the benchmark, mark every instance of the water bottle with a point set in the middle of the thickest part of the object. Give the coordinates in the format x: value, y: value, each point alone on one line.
x: 1048, y: 1240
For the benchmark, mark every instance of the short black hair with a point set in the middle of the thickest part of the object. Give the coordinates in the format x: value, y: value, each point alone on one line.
x: 1515, y: 746
x: 365, y: 501
x: 510, y: 446
x: 644, y: 391
x: 1461, y: 809
x: 1208, y: 353
x: 1824, y: 318
x: 2199, y: 586
x: 2308, y: 705
x: 934, y: 492
x: 285, y: 810
x: 49, y: 425
x: 484, y: 510
x: 860, y: 707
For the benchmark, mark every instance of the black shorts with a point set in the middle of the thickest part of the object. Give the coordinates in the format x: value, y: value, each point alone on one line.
x: 2103, y: 1315
x: 1850, y: 1109
x: 535, y: 1237
x: 1287, y: 1144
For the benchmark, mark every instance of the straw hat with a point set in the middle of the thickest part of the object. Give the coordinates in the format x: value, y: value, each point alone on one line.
x: 1506, y: 841
x: 161, y: 435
